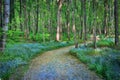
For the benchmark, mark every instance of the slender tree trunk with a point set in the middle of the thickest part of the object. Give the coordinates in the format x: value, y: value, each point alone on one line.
x: 111, y: 23
x: 74, y: 30
x: 84, y: 9
x: 99, y: 30
x: 21, y: 15
x: 5, y: 24
x: 43, y: 31
x: 7, y: 14
x: 0, y: 14
x: 11, y: 12
x: 81, y: 16
x: 73, y: 3
x: 49, y: 20
x: 116, y: 22
x: 67, y: 21
x: 1, y: 26
x: 112, y: 15
x: 26, y: 20
x: 29, y: 19
x: 105, y: 25
x: 37, y: 13
x: 68, y: 30
x: 94, y: 25
x: 58, y: 34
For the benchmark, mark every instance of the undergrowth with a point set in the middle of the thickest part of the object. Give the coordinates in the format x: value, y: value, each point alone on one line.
x: 109, y: 42
x: 104, y: 61
x: 20, y: 54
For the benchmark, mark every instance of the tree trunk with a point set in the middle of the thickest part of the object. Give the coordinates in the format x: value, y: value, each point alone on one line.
x: 26, y: 31
x: 84, y: 11
x: 29, y: 19
x: 105, y: 25
x: 94, y: 25
x: 11, y: 12
x: 67, y: 21
x: 1, y: 26
x: 21, y: 15
x: 5, y: 25
x: 74, y: 22
x: 0, y: 14
x: 37, y: 13
x: 81, y: 17
x: 58, y: 34
x: 74, y: 30
x: 49, y: 20
x: 116, y: 22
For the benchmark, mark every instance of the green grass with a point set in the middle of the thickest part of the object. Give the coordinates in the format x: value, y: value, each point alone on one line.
x: 20, y: 54
x: 104, y: 61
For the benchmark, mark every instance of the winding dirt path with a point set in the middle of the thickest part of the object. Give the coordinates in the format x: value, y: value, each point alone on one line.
x: 58, y: 65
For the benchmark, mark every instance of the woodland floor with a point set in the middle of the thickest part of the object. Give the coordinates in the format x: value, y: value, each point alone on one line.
x: 56, y: 65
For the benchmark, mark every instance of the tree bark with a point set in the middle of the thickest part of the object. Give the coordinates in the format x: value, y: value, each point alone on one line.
x: 58, y: 34
x: 116, y: 22
x: 105, y: 25
x: 26, y: 31
x: 21, y: 15
x: 5, y: 24
x: 94, y: 26
x: 0, y: 14
x: 1, y: 26
x: 37, y: 13
x: 81, y: 17
x: 84, y: 15
x: 11, y: 12
x: 67, y: 21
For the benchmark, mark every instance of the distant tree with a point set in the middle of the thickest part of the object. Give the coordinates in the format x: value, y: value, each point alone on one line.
x: 1, y: 31
x: 37, y: 13
x: 12, y: 12
x: 81, y: 17
x: 94, y: 24
x: 105, y: 25
x: 58, y: 34
x: 0, y: 13
x: 20, y: 15
x: 85, y: 29
x: 116, y: 22
x: 74, y: 29
x: 68, y: 19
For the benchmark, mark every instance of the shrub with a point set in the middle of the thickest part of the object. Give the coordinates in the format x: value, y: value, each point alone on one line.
x: 106, y: 63
x: 103, y: 43
x: 14, y: 36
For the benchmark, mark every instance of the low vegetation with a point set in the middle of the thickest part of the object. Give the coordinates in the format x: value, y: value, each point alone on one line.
x: 20, y: 54
x: 104, y: 42
x: 104, y: 61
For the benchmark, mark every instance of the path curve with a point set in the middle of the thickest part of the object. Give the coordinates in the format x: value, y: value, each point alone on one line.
x: 58, y: 65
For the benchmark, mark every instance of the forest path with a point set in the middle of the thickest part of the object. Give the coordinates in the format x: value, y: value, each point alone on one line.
x: 58, y: 65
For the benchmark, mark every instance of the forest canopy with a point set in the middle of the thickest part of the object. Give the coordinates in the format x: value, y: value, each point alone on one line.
x: 60, y: 20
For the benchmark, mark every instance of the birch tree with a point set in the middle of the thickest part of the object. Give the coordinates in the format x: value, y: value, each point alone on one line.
x: 5, y: 24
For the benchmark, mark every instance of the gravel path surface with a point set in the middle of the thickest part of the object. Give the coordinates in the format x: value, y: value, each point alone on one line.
x: 58, y: 65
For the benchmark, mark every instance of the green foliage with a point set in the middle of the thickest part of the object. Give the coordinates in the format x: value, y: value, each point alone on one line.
x: 14, y: 36
x: 39, y: 37
x: 104, y: 43
x: 106, y: 63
